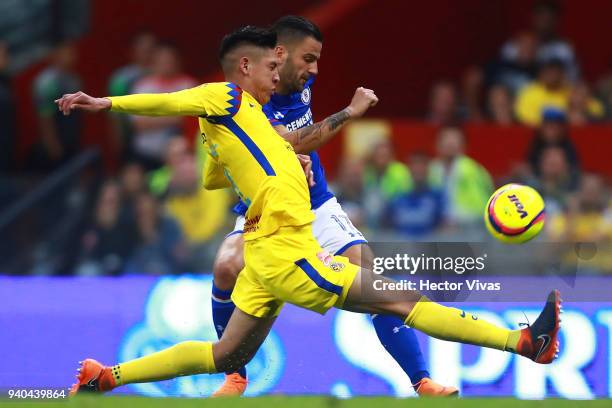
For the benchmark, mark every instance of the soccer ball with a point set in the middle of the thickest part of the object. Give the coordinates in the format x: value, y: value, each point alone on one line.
x: 515, y: 213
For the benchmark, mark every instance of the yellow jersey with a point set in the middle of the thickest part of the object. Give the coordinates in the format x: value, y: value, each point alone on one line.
x: 260, y: 165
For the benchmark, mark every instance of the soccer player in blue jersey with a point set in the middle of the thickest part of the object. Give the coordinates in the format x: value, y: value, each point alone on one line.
x: 299, y: 49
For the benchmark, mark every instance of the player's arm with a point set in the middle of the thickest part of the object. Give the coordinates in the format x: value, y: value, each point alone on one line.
x: 310, y: 138
x: 189, y: 102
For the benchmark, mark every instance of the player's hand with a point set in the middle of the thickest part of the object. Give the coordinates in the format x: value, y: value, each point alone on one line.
x: 307, y: 166
x: 81, y: 100
x: 362, y: 100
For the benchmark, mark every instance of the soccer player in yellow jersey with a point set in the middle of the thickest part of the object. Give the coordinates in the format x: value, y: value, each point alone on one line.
x: 283, y: 261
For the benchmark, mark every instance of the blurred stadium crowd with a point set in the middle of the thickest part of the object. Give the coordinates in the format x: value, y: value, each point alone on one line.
x: 153, y: 217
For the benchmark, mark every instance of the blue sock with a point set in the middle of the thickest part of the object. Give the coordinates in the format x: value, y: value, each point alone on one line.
x: 222, y: 308
x: 402, y: 343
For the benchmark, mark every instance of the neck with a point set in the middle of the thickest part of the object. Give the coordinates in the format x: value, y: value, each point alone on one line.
x: 282, y: 89
x: 244, y: 84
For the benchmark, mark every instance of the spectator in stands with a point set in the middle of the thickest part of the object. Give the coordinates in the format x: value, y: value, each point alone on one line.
x: 550, y: 45
x: 59, y: 134
x: 466, y: 184
x: 160, y: 247
x: 582, y: 107
x: 554, y: 132
x: 109, y: 240
x: 176, y: 152
x: 550, y: 90
x: 443, y: 109
x: 554, y: 178
x: 8, y: 131
x: 516, y: 69
x: 200, y: 213
x: 472, y: 87
x: 499, y: 106
x: 122, y: 81
x: 587, y: 219
x: 417, y: 213
x: 384, y: 179
x: 153, y: 133
x: 133, y: 184
x: 349, y: 190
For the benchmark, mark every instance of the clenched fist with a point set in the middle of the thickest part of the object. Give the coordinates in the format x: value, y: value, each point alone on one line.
x: 362, y: 100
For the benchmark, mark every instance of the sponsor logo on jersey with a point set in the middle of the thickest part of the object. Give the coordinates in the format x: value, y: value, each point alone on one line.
x: 325, y: 257
x: 251, y: 224
x: 302, y: 121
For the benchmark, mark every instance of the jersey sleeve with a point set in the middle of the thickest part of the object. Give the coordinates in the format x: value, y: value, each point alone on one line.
x: 207, y: 100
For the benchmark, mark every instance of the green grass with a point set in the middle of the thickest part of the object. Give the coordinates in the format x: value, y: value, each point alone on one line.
x: 297, y: 402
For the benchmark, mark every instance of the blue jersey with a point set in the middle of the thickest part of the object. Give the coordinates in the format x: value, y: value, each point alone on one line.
x: 293, y: 111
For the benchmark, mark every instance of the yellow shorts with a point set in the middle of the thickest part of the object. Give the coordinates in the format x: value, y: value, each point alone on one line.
x: 290, y: 266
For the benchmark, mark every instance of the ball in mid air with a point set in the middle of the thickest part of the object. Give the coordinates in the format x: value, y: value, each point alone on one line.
x: 515, y: 214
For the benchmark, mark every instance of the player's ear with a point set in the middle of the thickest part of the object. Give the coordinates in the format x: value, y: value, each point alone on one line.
x: 280, y: 51
x: 243, y: 65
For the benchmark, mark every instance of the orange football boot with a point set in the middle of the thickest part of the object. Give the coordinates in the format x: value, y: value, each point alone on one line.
x: 539, y: 341
x: 234, y: 386
x: 93, y: 377
x: 428, y: 388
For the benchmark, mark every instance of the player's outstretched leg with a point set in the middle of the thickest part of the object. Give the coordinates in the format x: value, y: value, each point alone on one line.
x: 399, y: 340
x: 538, y: 342
x: 228, y: 264
x: 243, y: 337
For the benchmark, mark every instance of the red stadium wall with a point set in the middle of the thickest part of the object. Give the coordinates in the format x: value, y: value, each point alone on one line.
x: 397, y: 48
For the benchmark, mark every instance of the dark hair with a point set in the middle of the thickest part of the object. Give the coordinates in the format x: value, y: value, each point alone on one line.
x: 296, y: 27
x: 251, y: 35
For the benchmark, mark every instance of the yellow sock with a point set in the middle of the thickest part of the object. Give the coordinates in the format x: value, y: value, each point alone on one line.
x: 448, y: 323
x: 186, y: 358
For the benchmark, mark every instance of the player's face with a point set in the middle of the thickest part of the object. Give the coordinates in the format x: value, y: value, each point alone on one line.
x: 300, y: 64
x: 264, y: 73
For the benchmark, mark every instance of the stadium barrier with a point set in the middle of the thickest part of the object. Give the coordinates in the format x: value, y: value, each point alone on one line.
x: 48, y: 324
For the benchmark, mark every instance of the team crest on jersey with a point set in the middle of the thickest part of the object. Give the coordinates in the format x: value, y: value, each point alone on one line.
x: 306, y: 96
x: 336, y: 266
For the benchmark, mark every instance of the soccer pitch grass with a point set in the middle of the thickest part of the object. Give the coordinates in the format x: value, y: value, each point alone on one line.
x: 298, y: 402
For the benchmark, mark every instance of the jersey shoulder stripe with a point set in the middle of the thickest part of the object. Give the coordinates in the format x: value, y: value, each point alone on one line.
x: 235, y: 92
x: 252, y: 147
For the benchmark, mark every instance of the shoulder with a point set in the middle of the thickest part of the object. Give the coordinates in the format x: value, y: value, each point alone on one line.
x: 45, y: 78
x: 147, y: 84
x: 531, y: 90
x: 399, y: 169
x: 183, y: 82
x: 126, y: 70
x: 221, y: 98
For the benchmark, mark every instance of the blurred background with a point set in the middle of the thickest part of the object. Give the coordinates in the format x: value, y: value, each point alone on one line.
x: 472, y: 95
